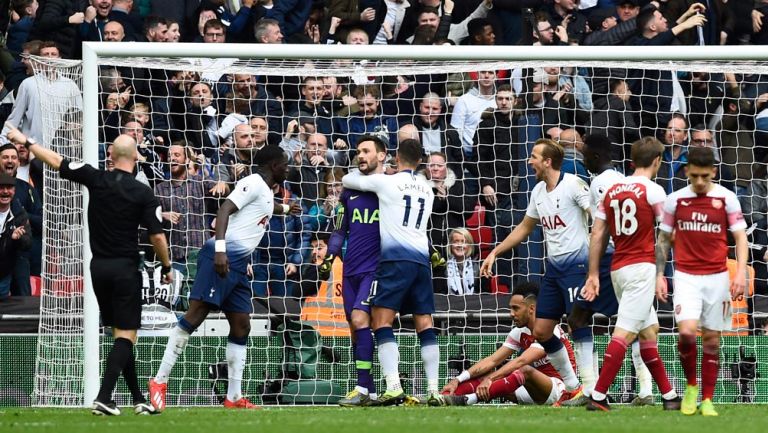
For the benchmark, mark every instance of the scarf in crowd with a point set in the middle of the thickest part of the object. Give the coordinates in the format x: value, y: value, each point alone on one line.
x: 460, y: 281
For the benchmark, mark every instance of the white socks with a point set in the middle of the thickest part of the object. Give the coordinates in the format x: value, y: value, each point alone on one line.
x: 562, y: 364
x: 585, y: 362
x: 644, y: 378
x: 175, y: 347
x: 389, y: 357
x: 236, y: 354
x: 430, y: 355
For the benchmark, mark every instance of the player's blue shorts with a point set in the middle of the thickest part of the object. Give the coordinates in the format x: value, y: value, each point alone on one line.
x: 605, y: 304
x: 230, y: 294
x: 355, y: 290
x: 403, y: 286
x: 558, y: 291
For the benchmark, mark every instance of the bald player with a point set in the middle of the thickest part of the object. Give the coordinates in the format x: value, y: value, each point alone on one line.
x: 118, y: 205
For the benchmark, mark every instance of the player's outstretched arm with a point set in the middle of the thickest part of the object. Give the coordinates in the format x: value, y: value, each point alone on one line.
x: 518, y: 235
x: 481, y: 368
x: 597, y: 245
x: 220, y: 260
x: 48, y: 156
x: 739, y: 281
x: 663, y: 243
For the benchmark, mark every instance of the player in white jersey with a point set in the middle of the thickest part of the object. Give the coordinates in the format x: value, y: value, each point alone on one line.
x: 699, y: 216
x: 560, y: 201
x: 404, y: 276
x: 221, y: 282
x: 627, y: 214
x: 597, y: 159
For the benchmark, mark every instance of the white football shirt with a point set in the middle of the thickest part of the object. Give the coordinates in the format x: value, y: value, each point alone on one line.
x: 563, y: 216
x: 405, y: 205
x: 255, y: 202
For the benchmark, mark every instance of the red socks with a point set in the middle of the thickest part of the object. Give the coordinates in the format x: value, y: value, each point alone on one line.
x: 686, y: 346
x: 614, y: 358
x: 650, y: 353
x: 710, y: 364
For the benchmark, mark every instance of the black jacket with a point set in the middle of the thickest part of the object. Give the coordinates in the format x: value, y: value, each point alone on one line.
x: 10, y: 248
x: 497, y: 151
x: 52, y: 24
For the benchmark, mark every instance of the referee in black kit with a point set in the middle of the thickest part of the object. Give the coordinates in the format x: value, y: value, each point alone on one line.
x: 118, y: 205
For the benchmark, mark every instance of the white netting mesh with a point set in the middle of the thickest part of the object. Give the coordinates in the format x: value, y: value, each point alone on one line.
x: 203, y: 105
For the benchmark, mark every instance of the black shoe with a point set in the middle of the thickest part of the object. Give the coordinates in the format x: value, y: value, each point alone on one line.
x: 601, y: 405
x: 102, y: 409
x: 144, y: 408
x: 673, y: 404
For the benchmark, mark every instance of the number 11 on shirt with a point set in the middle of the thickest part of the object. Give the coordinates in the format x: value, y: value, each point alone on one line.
x: 407, y: 215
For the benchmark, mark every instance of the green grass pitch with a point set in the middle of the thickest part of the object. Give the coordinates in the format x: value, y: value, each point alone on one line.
x: 479, y: 419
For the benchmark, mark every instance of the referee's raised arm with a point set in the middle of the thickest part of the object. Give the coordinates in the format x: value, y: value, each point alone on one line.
x: 118, y: 205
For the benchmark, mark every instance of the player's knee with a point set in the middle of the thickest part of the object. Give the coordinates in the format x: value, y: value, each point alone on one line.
x: 710, y: 342
x: 360, y: 321
x: 579, y: 318
x: 526, y: 370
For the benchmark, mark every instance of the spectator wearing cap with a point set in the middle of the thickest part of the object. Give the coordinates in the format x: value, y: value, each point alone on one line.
x: 15, y: 232
x: 627, y: 9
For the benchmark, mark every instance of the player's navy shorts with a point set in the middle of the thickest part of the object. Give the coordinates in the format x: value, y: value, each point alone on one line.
x: 230, y: 294
x: 558, y: 291
x: 605, y: 304
x: 403, y: 286
x: 117, y: 286
x: 355, y: 290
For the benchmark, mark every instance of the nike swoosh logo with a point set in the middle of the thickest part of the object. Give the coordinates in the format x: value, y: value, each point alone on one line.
x: 354, y: 197
x: 685, y: 203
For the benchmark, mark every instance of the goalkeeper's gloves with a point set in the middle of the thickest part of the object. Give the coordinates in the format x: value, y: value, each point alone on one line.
x: 436, y: 259
x: 324, y: 271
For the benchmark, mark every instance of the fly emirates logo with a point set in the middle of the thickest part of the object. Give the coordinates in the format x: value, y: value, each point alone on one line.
x: 699, y: 223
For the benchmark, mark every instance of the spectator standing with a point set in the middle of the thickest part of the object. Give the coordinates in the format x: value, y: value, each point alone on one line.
x: 15, y: 232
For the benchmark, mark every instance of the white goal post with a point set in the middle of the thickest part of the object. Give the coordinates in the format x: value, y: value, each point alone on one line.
x: 459, y: 58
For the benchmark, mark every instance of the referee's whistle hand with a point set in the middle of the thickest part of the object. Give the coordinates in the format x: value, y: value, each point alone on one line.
x: 221, y: 264
x: 168, y: 278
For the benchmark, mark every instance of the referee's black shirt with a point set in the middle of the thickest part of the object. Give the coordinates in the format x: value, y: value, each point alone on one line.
x: 118, y: 205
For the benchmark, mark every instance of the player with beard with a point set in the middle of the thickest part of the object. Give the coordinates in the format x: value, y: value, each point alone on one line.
x: 359, y: 226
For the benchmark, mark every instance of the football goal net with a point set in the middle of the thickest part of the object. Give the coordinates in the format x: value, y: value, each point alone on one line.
x: 199, y: 113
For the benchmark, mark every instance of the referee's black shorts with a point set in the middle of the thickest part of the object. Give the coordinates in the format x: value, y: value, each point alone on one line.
x: 117, y: 284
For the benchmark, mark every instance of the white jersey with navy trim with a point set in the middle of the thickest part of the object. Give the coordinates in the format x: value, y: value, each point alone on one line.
x: 597, y: 188
x: 563, y: 216
x: 246, y: 227
x: 405, y: 206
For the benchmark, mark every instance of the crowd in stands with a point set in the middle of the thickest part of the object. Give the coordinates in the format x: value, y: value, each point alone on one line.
x: 197, y: 135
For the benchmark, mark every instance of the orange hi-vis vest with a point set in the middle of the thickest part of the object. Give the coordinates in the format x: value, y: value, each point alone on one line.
x: 740, y: 320
x: 325, y: 311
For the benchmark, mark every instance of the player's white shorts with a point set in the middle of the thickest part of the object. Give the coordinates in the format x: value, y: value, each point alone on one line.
x: 558, y: 388
x: 635, y: 287
x: 705, y: 298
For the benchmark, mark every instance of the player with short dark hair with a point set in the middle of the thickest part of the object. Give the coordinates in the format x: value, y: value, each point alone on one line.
x: 359, y: 226
x: 222, y: 282
x: 118, y: 205
x: 699, y: 216
x: 560, y: 201
x: 529, y: 378
x: 404, y: 276
x: 627, y: 213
